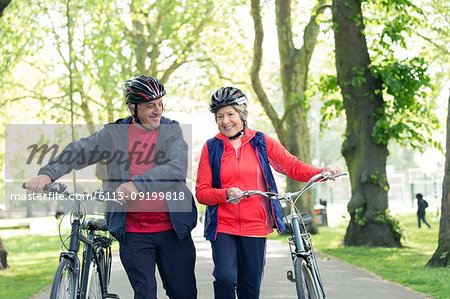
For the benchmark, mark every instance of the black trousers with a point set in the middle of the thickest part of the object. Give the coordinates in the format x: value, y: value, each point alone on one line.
x: 421, y: 217
x: 238, y: 266
x: 175, y: 260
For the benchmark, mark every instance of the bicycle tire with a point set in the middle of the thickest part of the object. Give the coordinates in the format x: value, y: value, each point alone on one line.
x: 104, y: 263
x: 108, y: 260
x: 303, y: 280
x: 94, y: 288
x: 64, y: 282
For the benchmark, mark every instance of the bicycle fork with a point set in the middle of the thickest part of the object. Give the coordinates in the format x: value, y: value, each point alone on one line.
x: 71, y: 255
x: 303, y: 252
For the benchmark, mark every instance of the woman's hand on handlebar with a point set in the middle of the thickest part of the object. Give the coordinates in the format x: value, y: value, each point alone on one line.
x: 333, y: 170
x: 234, y: 192
x: 37, y: 184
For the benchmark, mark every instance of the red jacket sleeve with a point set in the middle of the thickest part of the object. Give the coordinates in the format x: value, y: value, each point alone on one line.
x: 286, y: 163
x: 204, y: 191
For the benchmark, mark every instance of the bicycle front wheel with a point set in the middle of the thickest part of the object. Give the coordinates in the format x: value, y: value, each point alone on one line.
x: 94, y: 289
x: 303, y: 280
x: 63, y: 286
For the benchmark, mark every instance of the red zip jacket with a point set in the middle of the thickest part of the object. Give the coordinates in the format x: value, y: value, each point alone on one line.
x: 241, y: 168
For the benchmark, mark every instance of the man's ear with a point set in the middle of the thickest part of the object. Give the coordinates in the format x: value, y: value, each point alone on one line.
x: 131, y: 108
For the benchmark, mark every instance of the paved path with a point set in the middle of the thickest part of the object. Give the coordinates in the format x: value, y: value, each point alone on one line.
x: 341, y: 279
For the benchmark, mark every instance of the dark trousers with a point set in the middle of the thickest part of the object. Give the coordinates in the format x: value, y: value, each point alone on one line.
x: 421, y: 217
x: 175, y: 260
x: 238, y: 266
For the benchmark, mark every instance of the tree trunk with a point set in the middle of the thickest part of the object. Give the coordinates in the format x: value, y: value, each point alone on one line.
x: 440, y: 257
x: 366, y: 160
x: 3, y: 251
x: 3, y: 4
x: 292, y: 129
x: 3, y: 254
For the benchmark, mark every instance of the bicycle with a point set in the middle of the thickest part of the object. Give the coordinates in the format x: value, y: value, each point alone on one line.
x: 306, y: 271
x: 91, y: 278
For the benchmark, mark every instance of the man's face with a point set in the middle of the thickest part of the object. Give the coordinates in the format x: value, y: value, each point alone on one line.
x: 149, y: 113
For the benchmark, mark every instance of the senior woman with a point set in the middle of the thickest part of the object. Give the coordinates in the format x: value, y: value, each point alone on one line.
x: 238, y: 159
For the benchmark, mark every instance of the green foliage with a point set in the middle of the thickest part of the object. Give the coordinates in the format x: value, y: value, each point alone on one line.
x: 394, y: 223
x: 409, y: 94
x: 406, y: 116
x: 358, y: 78
x: 113, y: 40
x: 359, y: 217
x: 17, y: 39
x: 378, y: 180
x: 333, y: 105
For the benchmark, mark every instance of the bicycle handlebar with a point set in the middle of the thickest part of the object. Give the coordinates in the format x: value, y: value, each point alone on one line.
x: 321, y: 177
x: 98, y: 195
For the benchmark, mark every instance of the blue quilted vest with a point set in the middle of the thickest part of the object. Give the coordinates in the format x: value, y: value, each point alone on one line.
x: 215, y: 150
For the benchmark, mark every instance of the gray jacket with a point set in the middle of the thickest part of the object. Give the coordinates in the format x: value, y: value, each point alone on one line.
x: 168, y: 173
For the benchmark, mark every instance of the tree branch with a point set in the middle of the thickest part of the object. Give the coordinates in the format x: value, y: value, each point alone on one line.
x: 57, y: 39
x: 255, y: 69
x: 188, y: 47
x: 219, y: 71
x: 441, y: 48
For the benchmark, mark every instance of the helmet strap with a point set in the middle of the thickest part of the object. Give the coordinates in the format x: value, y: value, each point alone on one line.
x: 136, y: 118
x: 240, y: 133
x: 135, y: 115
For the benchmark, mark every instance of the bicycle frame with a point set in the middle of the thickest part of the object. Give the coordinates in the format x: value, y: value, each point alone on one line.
x: 301, y: 249
x: 92, y: 243
x: 87, y: 260
x: 72, y: 255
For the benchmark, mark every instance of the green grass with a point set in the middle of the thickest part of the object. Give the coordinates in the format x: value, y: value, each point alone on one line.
x: 32, y: 260
x: 32, y: 263
x: 405, y: 265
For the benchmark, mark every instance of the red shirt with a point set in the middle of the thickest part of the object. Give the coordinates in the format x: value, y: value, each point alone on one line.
x: 145, y: 214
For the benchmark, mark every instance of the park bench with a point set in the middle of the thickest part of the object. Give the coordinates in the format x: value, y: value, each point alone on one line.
x: 25, y: 225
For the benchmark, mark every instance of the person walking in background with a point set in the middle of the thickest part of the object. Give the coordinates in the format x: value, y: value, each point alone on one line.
x: 323, y: 212
x: 238, y: 159
x: 421, y: 206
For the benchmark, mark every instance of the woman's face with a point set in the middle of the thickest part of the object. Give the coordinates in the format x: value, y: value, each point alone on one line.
x: 229, y: 121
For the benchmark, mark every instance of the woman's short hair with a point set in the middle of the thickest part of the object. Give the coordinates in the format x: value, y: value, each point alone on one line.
x: 241, y: 109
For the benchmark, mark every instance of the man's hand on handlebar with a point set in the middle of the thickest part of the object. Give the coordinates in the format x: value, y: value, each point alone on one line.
x: 234, y: 192
x: 126, y: 189
x: 37, y: 184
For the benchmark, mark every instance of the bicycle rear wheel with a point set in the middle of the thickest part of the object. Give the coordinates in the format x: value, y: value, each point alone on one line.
x: 63, y: 286
x: 303, y: 280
